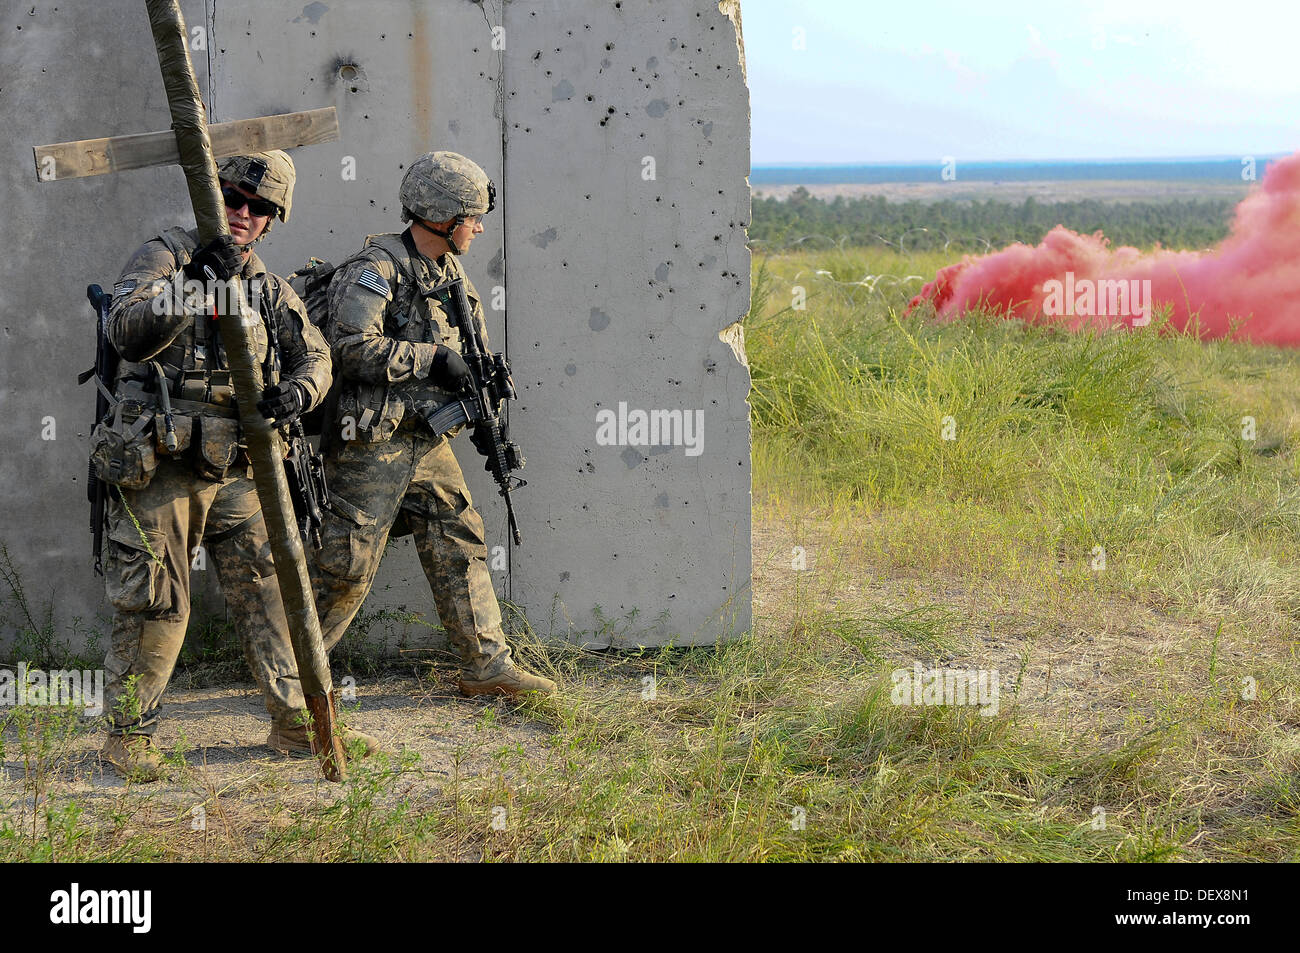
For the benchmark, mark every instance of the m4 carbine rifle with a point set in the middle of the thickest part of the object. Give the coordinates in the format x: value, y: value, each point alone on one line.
x: 304, y: 467
x: 478, y: 404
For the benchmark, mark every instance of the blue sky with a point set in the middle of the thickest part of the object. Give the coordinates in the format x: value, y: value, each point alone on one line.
x: 916, y: 81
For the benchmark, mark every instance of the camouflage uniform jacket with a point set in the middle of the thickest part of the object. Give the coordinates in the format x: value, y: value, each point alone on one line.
x: 385, y: 322
x: 150, y: 322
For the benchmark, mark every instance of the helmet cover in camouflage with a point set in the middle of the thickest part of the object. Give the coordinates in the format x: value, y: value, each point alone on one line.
x: 443, y: 185
x: 268, y: 175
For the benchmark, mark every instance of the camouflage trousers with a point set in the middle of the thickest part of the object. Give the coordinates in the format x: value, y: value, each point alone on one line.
x: 417, y: 477
x: 153, y: 540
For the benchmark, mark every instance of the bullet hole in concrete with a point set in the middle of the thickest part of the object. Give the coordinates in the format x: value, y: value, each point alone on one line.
x: 609, y: 46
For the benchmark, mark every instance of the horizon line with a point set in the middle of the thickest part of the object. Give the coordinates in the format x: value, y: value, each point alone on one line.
x: 924, y: 163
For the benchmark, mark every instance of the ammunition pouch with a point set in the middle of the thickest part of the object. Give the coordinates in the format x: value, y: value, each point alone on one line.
x: 122, y: 449
x: 205, y: 387
x: 368, y: 413
x: 207, y: 430
x: 217, y: 447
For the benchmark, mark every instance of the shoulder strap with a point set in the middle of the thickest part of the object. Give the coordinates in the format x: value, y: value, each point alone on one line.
x: 273, y: 366
x: 172, y: 238
x: 402, y: 254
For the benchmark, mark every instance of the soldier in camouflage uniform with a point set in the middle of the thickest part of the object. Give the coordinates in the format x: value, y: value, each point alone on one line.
x: 395, y: 353
x: 183, y: 490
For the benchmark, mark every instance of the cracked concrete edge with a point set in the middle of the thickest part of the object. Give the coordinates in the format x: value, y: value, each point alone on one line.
x: 733, y: 335
x: 731, y: 10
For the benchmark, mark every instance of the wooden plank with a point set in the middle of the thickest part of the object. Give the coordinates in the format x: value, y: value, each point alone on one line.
x: 74, y: 160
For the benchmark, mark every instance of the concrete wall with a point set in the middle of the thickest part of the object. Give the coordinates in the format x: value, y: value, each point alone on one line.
x: 618, y: 135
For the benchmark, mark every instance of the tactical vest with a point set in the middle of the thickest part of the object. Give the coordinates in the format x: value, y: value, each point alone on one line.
x: 199, y: 392
x: 415, y: 313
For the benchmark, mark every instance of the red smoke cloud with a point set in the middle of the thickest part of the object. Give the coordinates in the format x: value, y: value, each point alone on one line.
x: 1251, y: 278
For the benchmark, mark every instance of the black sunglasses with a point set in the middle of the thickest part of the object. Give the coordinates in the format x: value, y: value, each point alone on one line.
x: 236, y: 200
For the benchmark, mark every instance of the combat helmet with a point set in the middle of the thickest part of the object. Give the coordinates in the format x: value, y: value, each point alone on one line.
x: 444, y: 185
x: 268, y: 175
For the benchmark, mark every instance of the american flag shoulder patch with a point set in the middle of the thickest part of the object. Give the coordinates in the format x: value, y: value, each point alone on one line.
x: 124, y: 287
x: 369, y: 278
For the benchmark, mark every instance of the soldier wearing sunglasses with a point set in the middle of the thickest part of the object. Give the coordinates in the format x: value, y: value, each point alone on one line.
x: 182, y: 495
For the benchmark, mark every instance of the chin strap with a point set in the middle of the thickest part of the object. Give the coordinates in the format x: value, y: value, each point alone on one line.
x: 445, y: 236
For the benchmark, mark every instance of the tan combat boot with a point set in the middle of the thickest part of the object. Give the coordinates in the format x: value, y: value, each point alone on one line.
x: 512, y: 680
x: 134, y: 757
x: 296, y: 743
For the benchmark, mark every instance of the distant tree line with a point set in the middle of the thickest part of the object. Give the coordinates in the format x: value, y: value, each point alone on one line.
x: 803, y: 220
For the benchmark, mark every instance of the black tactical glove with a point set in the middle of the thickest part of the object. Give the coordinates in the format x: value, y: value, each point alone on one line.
x: 449, y: 370
x: 221, y: 254
x: 481, y: 437
x: 281, y: 403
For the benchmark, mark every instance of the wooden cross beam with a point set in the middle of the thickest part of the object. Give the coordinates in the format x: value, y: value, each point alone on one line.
x: 73, y: 160
x: 189, y: 146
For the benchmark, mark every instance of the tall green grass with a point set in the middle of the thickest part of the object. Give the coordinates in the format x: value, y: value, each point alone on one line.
x: 1128, y: 440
